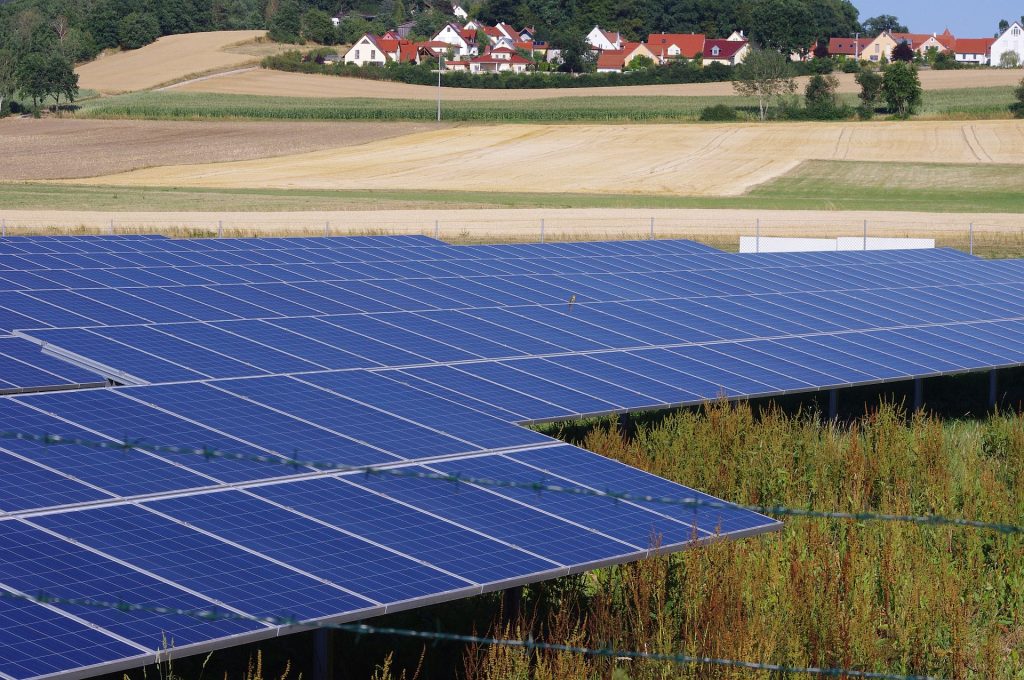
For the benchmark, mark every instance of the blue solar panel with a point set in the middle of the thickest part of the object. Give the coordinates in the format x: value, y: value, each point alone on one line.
x: 419, y: 357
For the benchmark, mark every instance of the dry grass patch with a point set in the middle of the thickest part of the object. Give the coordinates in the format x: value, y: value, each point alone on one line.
x: 169, y: 59
x: 675, y: 160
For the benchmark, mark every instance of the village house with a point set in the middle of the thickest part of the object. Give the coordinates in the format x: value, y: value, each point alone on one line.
x: 886, y: 42
x: 600, y: 39
x: 851, y: 48
x: 616, y: 61
x: 729, y: 52
x: 973, y: 50
x: 1012, y: 40
x: 499, y: 60
x: 366, y: 50
x: 462, y: 45
x: 668, y: 46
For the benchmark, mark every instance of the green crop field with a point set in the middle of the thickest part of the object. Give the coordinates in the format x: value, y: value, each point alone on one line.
x: 973, y: 103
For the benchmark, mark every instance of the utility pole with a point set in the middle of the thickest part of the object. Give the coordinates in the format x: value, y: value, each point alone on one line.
x: 856, y: 46
x: 439, y: 66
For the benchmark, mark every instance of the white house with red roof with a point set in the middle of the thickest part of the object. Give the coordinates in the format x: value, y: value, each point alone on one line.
x: 727, y: 52
x: 456, y: 37
x: 499, y: 60
x: 1012, y: 40
x: 367, y: 50
x: 974, y: 50
x: 853, y: 48
x: 600, y: 39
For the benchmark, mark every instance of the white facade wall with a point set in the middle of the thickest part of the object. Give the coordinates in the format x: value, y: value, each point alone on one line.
x: 365, y: 52
x: 1010, y: 41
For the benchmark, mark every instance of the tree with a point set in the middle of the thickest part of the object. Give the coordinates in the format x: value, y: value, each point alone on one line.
x: 32, y: 78
x: 1004, y: 26
x: 821, y: 50
x: 764, y: 74
x: 1018, y: 107
x: 640, y: 63
x: 576, y: 54
x: 286, y: 23
x: 870, y: 88
x: 903, y: 52
x: 399, y: 12
x: 902, y: 89
x: 1009, y: 60
x: 137, y: 29
x: 8, y: 80
x: 875, y: 26
x: 785, y: 26
x: 63, y: 81
x: 352, y: 29
x: 318, y: 27
x: 821, y: 97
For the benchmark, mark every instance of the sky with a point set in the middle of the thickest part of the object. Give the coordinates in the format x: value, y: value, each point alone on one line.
x: 976, y: 19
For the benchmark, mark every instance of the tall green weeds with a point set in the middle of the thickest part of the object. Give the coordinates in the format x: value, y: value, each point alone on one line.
x: 870, y: 596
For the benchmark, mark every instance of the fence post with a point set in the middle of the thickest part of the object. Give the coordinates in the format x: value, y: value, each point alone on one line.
x: 3, y: 228
x: 111, y: 225
x: 757, y: 236
x: 437, y: 229
x: 652, y: 228
x: 972, y: 237
x: 327, y: 228
x: 542, y: 230
x: 220, y: 228
x: 865, y: 234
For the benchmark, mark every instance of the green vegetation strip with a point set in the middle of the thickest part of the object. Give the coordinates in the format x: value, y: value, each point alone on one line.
x: 970, y: 103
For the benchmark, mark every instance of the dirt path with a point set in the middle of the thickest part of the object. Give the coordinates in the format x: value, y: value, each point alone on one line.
x: 279, y: 83
x: 526, y: 223
x: 691, y: 160
x: 53, y: 148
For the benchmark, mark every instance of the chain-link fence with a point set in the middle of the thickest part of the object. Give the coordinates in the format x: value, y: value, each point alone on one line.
x: 725, y: 232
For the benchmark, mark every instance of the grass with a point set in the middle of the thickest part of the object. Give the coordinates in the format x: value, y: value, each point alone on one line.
x: 814, y: 185
x: 953, y: 104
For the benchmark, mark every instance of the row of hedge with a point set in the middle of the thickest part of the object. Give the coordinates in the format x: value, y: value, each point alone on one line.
x: 425, y: 74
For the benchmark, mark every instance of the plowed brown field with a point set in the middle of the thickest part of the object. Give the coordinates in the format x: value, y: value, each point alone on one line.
x: 695, y: 160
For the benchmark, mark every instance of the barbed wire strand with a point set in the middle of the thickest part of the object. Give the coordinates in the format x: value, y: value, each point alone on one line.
x: 214, y: 614
x: 209, y: 453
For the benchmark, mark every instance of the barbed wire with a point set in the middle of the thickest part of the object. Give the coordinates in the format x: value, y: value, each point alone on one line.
x: 529, y: 644
x: 210, y: 453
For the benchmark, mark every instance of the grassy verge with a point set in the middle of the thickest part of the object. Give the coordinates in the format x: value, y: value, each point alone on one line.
x: 974, y: 103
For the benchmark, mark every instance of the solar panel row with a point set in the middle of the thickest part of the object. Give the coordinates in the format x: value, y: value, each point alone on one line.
x: 460, y: 343
x: 292, y: 540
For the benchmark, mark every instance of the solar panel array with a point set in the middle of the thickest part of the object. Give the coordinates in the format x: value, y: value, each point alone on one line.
x: 410, y: 355
x: 148, y: 526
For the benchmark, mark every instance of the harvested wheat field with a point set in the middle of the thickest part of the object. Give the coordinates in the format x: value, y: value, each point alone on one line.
x: 61, y: 149
x: 170, y: 58
x: 280, y: 83
x: 686, y: 160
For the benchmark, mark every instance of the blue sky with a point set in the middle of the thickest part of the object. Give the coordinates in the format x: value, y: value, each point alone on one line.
x: 966, y: 19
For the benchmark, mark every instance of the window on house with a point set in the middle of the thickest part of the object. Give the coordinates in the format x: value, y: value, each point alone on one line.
x: 1015, y: 32
x: 373, y: 54
x: 715, y: 51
